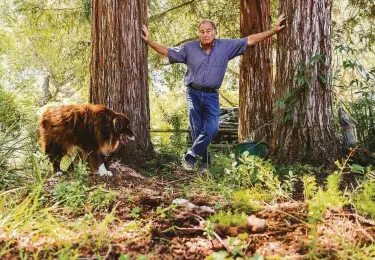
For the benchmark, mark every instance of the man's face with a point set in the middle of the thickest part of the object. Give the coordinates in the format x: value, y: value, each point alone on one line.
x: 206, y: 33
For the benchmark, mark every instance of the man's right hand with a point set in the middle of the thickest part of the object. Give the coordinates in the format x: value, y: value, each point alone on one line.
x: 145, y: 34
x: 157, y: 47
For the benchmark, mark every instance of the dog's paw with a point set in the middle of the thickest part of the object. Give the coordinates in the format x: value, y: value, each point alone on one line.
x: 103, y: 173
x: 60, y: 173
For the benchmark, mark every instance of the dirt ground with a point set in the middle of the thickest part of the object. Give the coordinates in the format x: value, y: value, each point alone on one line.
x: 181, y: 233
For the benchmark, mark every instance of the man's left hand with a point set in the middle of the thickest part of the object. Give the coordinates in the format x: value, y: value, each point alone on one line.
x: 280, y: 25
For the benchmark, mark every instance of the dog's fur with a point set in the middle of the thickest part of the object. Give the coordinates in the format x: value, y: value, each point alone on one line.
x: 95, y: 129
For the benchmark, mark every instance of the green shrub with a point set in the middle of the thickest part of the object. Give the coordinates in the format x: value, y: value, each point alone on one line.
x: 220, y: 162
x: 250, y: 199
x: 10, y: 112
x: 249, y: 170
x: 101, y: 199
x: 364, y: 198
x: 70, y: 194
x: 80, y: 173
x: 331, y: 198
x: 309, y: 187
x: 229, y: 219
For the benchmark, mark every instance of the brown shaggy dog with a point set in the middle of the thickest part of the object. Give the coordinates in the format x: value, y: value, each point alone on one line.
x: 95, y: 129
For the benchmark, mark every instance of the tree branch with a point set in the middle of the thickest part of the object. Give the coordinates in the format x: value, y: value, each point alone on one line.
x: 156, y: 16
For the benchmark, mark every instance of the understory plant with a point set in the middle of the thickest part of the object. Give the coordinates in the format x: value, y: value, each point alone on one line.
x: 101, y: 199
x: 228, y: 218
x: 330, y: 198
x: 364, y: 198
x: 70, y: 194
x: 247, y: 171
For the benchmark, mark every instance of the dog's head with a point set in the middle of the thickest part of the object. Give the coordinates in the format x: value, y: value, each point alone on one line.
x: 122, y: 128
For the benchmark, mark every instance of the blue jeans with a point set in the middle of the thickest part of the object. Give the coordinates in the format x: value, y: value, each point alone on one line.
x: 204, y: 112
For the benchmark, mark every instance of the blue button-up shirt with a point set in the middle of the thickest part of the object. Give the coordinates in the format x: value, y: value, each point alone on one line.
x: 207, y: 70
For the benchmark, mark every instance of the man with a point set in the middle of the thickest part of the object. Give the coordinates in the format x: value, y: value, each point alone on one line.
x: 207, y: 61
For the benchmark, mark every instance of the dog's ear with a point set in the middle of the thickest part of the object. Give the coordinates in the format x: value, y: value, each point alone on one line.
x: 118, y: 124
x: 127, y: 130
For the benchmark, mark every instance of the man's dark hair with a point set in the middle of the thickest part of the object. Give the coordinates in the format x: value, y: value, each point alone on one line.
x: 208, y: 21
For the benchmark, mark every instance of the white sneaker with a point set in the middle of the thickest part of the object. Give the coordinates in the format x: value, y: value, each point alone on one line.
x: 203, y: 170
x: 187, y: 166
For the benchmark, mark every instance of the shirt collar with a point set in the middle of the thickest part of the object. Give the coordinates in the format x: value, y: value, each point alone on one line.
x: 213, y: 43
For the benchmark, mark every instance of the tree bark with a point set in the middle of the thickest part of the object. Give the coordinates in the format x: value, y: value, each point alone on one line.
x: 255, y: 104
x: 119, y: 69
x: 305, y: 130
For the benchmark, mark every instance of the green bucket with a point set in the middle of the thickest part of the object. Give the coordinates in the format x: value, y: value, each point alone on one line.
x: 253, y: 147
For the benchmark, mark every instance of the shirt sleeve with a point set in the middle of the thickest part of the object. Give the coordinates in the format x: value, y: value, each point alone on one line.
x: 177, y: 54
x: 236, y: 47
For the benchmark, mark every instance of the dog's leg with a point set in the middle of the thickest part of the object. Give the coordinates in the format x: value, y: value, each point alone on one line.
x: 97, y: 165
x: 55, y: 154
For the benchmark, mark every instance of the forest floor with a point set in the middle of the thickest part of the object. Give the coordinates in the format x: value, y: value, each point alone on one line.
x: 164, y: 227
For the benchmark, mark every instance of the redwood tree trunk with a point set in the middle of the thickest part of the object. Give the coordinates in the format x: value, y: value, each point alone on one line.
x: 255, y: 104
x: 305, y: 131
x: 119, y: 69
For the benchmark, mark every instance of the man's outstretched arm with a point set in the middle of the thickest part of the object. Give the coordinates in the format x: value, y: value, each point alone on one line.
x: 157, y: 47
x: 255, y: 38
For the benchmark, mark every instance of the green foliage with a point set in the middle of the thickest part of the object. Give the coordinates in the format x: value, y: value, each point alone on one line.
x: 20, y: 160
x: 211, y: 185
x: 221, y: 161
x: 364, y: 198
x: 165, y: 212
x: 331, y: 198
x: 46, y: 42
x: 101, y: 198
x: 296, y: 168
x: 70, y: 194
x: 80, y: 173
x: 356, y: 251
x: 124, y: 257
x: 247, y: 171
x: 229, y: 219
x: 362, y: 111
x: 10, y: 116
x: 288, y: 183
x: 238, y: 247
x: 10, y: 112
x: 250, y: 199
x: 309, y: 187
x: 249, y: 175
x: 135, y: 212
x: 220, y: 255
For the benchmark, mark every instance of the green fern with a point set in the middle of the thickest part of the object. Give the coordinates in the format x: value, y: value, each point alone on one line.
x: 229, y: 218
x: 251, y: 199
x: 309, y: 186
x: 331, y: 198
x: 364, y: 199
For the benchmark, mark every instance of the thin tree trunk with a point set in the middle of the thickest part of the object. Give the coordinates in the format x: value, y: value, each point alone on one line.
x: 47, y: 96
x: 305, y: 130
x: 119, y: 69
x: 255, y: 104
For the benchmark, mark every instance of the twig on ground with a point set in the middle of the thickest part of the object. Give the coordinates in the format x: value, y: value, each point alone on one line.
x: 360, y: 218
x: 108, y: 252
x: 270, y: 208
x: 178, y: 180
x: 198, y: 218
x: 221, y: 241
x: 192, y: 228
x: 364, y: 231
